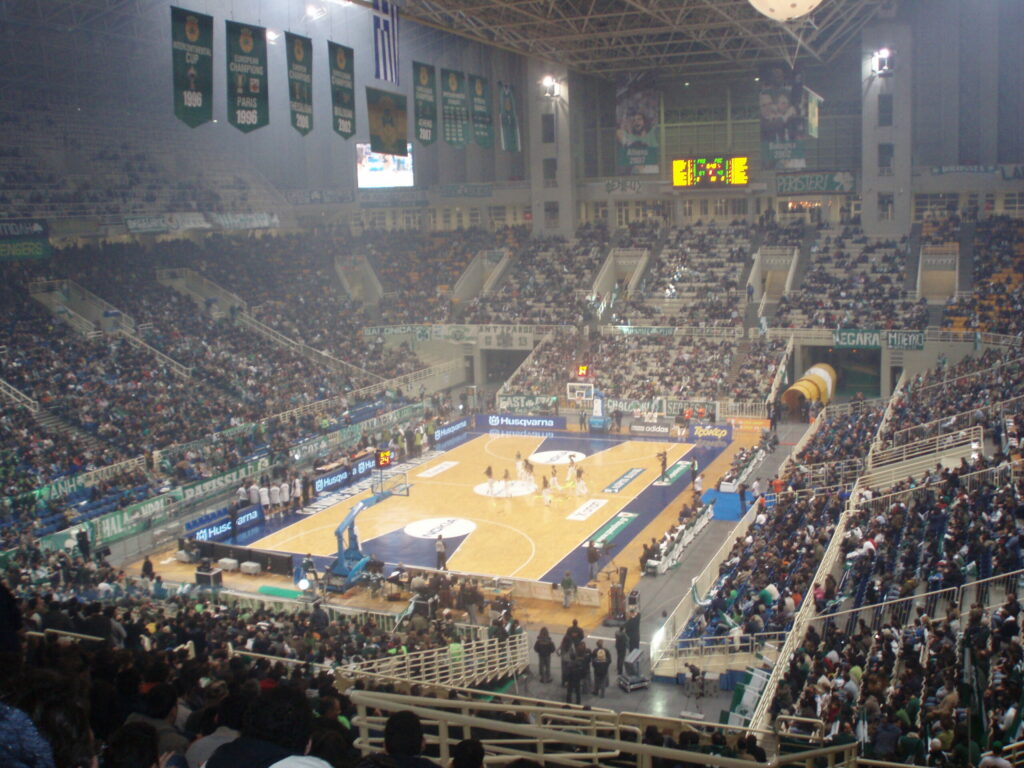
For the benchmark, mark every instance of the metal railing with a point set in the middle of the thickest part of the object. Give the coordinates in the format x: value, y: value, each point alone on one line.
x: 173, y: 365
x: 693, y: 648
x: 554, y: 734
x: 952, y: 423
x: 15, y: 395
x: 929, y: 446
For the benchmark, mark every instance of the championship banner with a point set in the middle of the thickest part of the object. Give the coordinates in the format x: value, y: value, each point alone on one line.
x: 782, y: 101
x: 388, y: 124
x: 483, y: 122
x: 637, y: 110
x: 510, y: 140
x: 425, y: 102
x: 248, y: 104
x: 343, y: 92
x: 454, y: 110
x: 300, y: 81
x: 813, y: 109
x: 192, y: 64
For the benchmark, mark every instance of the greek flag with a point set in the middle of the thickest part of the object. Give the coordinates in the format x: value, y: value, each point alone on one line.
x: 385, y: 40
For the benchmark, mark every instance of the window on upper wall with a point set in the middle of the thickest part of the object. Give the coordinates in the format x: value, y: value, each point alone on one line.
x: 550, y: 168
x: 885, y: 159
x: 547, y: 128
x: 885, y: 108
x: 886, y: 207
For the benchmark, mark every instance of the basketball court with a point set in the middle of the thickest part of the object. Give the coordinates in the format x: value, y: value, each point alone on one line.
x: 495, y: 520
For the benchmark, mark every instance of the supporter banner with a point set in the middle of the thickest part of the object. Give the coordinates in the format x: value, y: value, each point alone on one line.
x: 523, y: 402
x: 853, y: 339
x: 491, y: 336
x: 829, y: 182
x: 261, y: 220
x: 510, y: 138
x: 510, y: 421
x: 702, y: 433
x: 132, y: 520
x: 24, y: 239
x: 483, y: 121
x: 424, y: 95
x: 343, y: 91
x: 229, y: 480
x: 386, y: 113
x: 783, y: 106
x: 454, y: 109
x: 907, y: 340
x: 319, y: 196
x: 700, y: 409
x: 300, y: 81
x: 612, y: 404
x: 192, y: 66
x: 637, y: 110
x: 465, y: 190
x: 645, y: 330
x: 248, y: 103
x: 165, y: 222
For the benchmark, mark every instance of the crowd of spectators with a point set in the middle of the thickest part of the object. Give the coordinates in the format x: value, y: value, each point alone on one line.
x: 843, y: 437
x: 977, y: 385
x: 702, y: 264
x: 853, y: 281
x: 758, y: 366
x: 546, y: 283
x: 996, y: 301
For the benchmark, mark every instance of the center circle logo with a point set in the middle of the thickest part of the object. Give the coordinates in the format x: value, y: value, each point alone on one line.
x: 556, y: 457
x: 445, y: 527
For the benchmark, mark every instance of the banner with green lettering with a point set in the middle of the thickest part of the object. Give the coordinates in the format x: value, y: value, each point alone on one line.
x: 343, y: 92
x: 386, y: 113
x: 300, y: 81
x: 510, y: 140
x: 425, y: 105
x: 248, y: 102
x: 24, y: 239
x: 192, y: 65
x: 454, y: 111
x: 483, y: 122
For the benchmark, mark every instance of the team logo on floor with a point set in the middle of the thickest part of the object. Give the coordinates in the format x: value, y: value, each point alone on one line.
x: 556, y: 457
x: 445, y: 527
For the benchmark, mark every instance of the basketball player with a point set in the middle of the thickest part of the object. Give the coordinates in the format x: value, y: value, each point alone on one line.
x: 506, y: 483
x: 489, y: 474
x: 520, y: 467
x: 581, y: 485
x: 545, y: 491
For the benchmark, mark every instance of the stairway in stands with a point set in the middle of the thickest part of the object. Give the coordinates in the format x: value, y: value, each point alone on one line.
x: 53, y: 423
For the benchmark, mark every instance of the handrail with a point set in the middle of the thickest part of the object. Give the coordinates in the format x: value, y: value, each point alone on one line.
x: 61, y: 633
x: 947, y: 381
x: 19, y: 397
x: 173, y: 365
x: 954, y: 421
x: 929, y: 446
x: 126, y: 319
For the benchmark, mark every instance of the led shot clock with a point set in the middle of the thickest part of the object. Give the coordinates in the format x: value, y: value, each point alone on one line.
x: 383, y: 458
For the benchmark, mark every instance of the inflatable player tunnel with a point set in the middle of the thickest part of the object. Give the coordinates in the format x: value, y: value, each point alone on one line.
x: 817, y: 383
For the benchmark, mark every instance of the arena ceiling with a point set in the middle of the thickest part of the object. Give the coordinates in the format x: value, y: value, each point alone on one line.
x: 599, y: 37
x: 672, y: 37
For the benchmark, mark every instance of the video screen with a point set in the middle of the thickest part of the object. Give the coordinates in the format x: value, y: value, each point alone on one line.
x: 376, y: 171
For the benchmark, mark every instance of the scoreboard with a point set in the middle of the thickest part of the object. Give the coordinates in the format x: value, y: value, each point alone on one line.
x: 719, y: 171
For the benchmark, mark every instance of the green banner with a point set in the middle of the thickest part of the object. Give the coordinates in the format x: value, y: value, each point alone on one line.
x: 132, y: 520
x: 343, y: 91
x: 483, y: 122
x: 211, y: 485
x: 192, y: 64
x: 248, y: 103
x: 24, y: 239
x: 454, y: 108
x: 386, y: 114
x: 510, y: 139
x: 425, y: 96
x: 300, y: 81
x: 674, y: 473
x: 846, y: 338
x: 908, y: 340
x: 607, y: 532
x: 836, y: 182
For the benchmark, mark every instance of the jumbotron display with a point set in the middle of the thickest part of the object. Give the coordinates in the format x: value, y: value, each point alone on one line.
x: 713, y: 171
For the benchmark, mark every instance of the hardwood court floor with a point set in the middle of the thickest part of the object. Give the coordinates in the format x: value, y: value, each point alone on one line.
x: 494, y: 528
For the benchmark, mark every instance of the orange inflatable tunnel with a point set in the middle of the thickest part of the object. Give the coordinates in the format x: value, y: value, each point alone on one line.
x: 817, y: 383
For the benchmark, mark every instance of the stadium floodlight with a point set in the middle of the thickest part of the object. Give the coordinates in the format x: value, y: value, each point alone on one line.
x: 883, y: 62
x: 315, y: 12
x: 303, y: 584
x: 272, y: 36
x: 550, y: 85
x: 785, y: 10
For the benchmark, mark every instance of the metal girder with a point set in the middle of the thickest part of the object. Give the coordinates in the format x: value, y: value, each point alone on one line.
x: 678, y: 37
